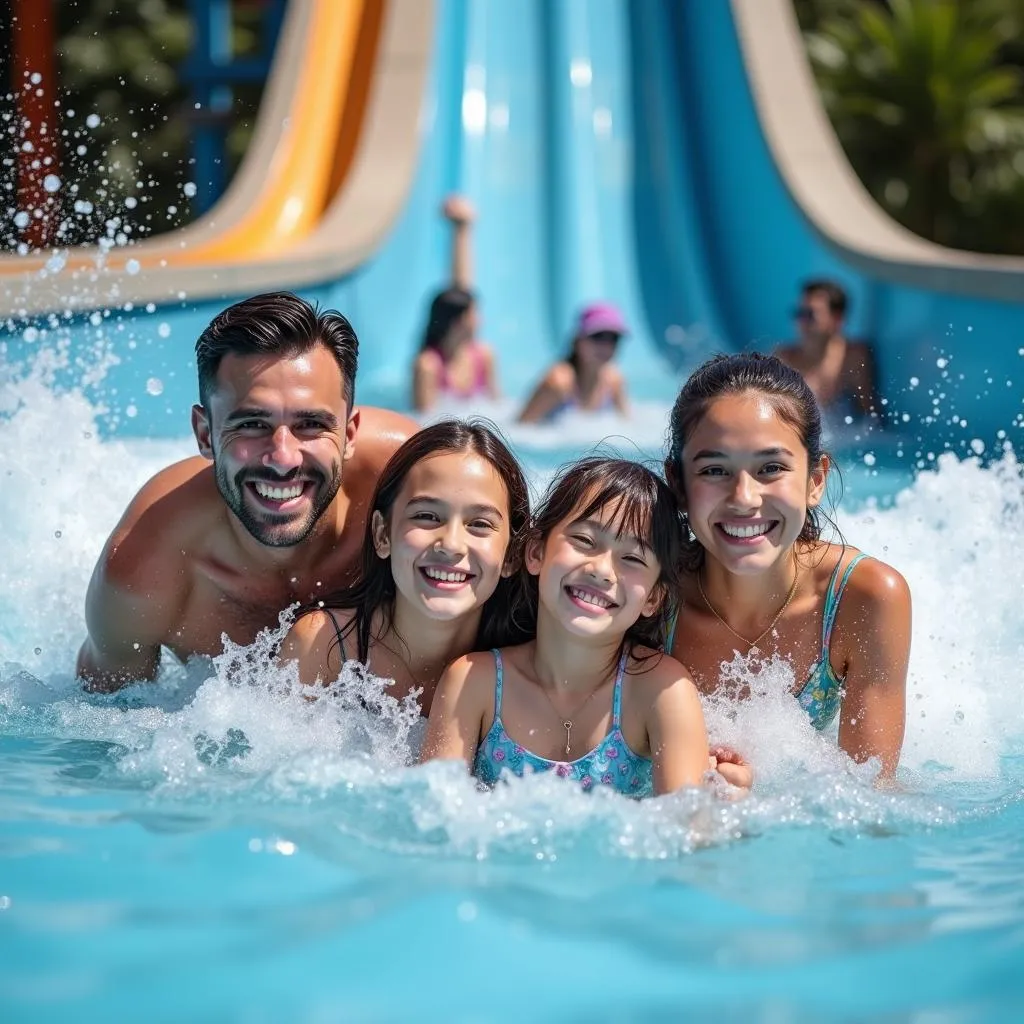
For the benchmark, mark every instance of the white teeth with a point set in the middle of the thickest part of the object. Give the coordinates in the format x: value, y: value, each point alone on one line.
x: 264, y: 490
x: 590, y: 598
x: 747, y: 531
x: 446, y: 575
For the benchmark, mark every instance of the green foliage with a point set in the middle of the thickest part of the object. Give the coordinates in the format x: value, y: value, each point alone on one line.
x: 119, y: 62
x: 125, y: 119
x: 929, y: 106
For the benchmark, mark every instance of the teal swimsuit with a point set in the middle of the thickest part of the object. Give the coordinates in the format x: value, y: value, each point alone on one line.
x: 610, y: 763
x: 822, y: 694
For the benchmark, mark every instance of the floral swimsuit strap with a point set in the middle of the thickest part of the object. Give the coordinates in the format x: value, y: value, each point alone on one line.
x: 610, y: 763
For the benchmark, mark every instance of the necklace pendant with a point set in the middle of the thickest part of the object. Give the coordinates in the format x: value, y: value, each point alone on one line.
x: 567, y: 726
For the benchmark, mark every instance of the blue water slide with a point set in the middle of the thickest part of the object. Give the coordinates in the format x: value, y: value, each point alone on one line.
x: 613, y: 150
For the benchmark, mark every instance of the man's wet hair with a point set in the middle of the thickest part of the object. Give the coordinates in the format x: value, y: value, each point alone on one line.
x: 838, y: 301
x: 275, y: 324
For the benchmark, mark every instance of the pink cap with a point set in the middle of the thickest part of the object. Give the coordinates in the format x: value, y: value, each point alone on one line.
x: 598, y: 317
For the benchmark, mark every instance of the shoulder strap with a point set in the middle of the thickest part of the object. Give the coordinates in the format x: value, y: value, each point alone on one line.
x: 498, y: 680
x: 670, y: 640
x: 337, y: 633
x: 617, y: 693
x: 833, y: 596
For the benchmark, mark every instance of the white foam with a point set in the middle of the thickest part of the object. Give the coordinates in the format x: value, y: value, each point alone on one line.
x: 241, y: 726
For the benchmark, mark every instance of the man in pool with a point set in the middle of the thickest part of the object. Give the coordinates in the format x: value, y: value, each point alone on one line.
x: 840, y: 372
x: 220, y: 544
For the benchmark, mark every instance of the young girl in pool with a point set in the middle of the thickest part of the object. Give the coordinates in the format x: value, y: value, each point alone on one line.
x: 437, y: 565
x: 746, y: 462
x: 591, y: 696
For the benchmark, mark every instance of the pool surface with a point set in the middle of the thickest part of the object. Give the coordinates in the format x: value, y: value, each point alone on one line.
x: 208, y: 849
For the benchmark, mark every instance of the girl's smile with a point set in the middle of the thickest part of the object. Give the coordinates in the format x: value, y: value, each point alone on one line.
x: 747, y: 481
x: 448, y: 534
x: 592, y: 574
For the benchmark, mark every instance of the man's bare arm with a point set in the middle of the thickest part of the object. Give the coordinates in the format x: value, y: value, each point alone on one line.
x: 137, y: 591
x: 124, y: 638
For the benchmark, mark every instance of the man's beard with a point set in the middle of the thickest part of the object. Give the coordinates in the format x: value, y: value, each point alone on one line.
x: 276, y: 531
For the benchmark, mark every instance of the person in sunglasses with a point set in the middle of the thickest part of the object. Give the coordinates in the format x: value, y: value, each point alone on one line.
x: 585, y: 379
x: 840, y: 372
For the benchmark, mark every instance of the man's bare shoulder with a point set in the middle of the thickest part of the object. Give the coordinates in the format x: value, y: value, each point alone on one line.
x: 173, y: 512
x: 381, y: 433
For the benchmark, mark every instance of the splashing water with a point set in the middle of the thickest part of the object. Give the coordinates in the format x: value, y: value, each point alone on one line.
x: 228, y: 766
x: 965, y: 635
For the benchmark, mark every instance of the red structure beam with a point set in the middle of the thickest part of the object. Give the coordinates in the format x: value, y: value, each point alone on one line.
x: 34, y: 85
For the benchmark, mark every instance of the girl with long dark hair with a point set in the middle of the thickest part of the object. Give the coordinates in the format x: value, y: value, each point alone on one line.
x: 441, y: 550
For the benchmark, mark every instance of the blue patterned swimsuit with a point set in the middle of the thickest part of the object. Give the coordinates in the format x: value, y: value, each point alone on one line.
x: 610, y: 763
x: 822, y: 694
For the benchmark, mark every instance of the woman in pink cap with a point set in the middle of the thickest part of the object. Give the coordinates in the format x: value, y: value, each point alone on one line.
x: 586, y: 378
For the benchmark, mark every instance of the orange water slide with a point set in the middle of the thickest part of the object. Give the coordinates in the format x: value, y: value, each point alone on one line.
x: 303, y: 144
x: 328, y: 171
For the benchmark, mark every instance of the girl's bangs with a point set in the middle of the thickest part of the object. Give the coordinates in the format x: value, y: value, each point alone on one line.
x: 629, y: 506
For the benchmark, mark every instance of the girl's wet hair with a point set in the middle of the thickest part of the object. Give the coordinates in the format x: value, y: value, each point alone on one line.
x: 376, y: 587
x: 641, y: 504
x: 447, y: 308
x: 782, y: 386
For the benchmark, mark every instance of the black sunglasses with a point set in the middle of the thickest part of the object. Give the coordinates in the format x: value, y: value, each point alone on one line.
x: 803, y: 313
x: 605, y: 337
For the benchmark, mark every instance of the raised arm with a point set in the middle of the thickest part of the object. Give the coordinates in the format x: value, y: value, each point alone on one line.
x: 459, y: 211
x: 675, y: 728
x: 875, y: 619
x: 455, y: 726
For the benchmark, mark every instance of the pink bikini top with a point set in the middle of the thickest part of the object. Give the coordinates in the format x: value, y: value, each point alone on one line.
x: 478, y: 385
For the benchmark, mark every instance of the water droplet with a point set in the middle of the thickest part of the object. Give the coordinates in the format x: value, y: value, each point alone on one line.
x: 155, y: 386
x: 93, y: 120
x: 21, y: 219
x: 189, y: 188
x: 869, y: 458
x: 132, y: 267
x: 958, y: 716
x: 51, y: 183
x: 978, y: 446
x: 39, y: 650
x: 164, y: 330
x: 131, y: 412
x: 57, y: 534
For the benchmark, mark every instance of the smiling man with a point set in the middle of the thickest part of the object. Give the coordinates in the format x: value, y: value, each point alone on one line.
x: 273, y: 511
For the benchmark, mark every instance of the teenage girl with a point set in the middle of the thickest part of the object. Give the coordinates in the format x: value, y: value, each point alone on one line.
x: 438, y: 564
x: 590, y: 697
x: 451, y: 362
x: 747, y: 465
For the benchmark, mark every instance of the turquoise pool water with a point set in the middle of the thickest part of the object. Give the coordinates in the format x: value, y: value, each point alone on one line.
x: 212, y: 847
